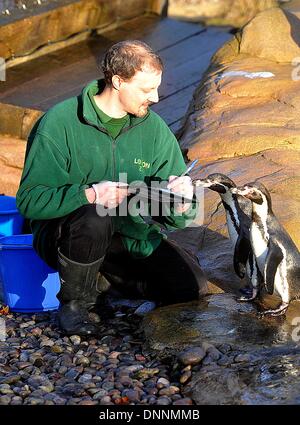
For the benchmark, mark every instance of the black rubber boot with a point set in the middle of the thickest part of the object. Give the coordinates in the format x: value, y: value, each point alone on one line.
x: 78, y: 294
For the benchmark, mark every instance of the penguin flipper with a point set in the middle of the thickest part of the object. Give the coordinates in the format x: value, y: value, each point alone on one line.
x: 273, y: 260
x: 241, y: 253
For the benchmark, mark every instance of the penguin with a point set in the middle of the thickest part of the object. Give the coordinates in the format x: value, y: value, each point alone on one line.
x: 276, y: 254
x: 238, y: 223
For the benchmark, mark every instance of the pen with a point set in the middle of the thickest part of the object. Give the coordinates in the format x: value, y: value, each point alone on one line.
x: 189, y: 168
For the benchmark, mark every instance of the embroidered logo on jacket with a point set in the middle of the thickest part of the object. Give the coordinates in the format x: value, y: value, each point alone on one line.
x: 141, y: 164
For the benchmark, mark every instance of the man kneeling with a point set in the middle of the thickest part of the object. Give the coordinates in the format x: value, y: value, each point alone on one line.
x: 75, y: 155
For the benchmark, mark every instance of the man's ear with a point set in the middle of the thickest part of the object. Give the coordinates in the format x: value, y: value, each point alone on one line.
x: 116, y: 82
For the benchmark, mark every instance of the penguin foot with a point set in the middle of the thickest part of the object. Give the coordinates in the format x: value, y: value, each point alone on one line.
x: 246, y: 290
x: 250, y: 295
x: 279, y: 311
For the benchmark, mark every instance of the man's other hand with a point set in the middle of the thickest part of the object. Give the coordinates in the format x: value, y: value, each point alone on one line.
x: 109, y: 194
x: 183, y: 186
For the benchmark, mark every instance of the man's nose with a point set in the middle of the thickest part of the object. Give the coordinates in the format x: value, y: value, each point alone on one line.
x: 154, y: 98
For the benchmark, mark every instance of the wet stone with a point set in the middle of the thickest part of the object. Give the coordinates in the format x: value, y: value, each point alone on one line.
x: 152, y: 391
x: 87, y: 403
x: 47, y: 343
x: 169, y: 391
x: 133, y: 395
x: 10, y: 379
x: 74, y: 373
x: 114, y: 354
x: 183, y: 402
x: 128, y: 358
x: 37, y: 381
x: 16, y: 400
x: 5, y: 399
x: 126, y: 381
x: 73, y: 389
x: 100, y: 394
x: 185, y: 377
x: 85, y: 378
x: 34, y: 401
x: 191, y: 356
x: 225, y: 348
x: 214, y: 353
x: 82, y: 360
x: 208, y: 360
x: 75, y: 339
x: 23, y: 365
x: 105, y: 400
x: 98, y: 358
x: 162, y: 381
x: 36, y: 331
x: 62, y: 370
x: 5, y: 389
x: 243, y: 358
x: 108, y: 386
x: 144, y: 373
x: 26, y: 324
x: 164, y: 401
x: 24, y: 357
x: 57, y: 349
x: 224, y: 361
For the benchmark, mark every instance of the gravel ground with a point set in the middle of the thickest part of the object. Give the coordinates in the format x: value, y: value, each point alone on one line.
x: 39, y: 366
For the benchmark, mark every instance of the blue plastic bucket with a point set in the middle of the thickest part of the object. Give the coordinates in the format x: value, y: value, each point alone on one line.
x: 29, y: 284
x: 11, y: 221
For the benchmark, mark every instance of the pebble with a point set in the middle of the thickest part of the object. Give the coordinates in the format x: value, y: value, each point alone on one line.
x: 185, y: 377
x: 5, y: 389
x: 105, y: 400
x: 192, y: 356
x: 242, y: 358
x: 4, y: 399
x: 84, y: 361
x: 39, y: 366
x: 224, y: 361
x: 16, y: 400
x: 163, y: 382
x: 225, y: 348
x: 10, y: 379
x: 108, y: 385
x: 85, y: 378
x: 214, y: 353
x: 47, y: 343
x: 145, y: 308
x: 169, y: 391
x: 183, y: 401
x: 165, y: 401
x: 75, y: 339
x: 100, y: 394
x: 132, y: 395
x: 57, y: 349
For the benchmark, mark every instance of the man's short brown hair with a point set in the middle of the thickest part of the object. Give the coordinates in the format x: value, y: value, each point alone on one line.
x: 127, y: 57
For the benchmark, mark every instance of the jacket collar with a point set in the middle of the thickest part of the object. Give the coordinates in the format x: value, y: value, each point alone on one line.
x: 88, y: 111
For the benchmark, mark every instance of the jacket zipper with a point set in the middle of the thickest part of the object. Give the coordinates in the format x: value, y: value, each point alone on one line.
x: 114, y: 142
x: 114, y: 158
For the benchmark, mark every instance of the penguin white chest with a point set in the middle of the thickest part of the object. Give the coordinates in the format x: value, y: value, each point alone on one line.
x: 259, y: 246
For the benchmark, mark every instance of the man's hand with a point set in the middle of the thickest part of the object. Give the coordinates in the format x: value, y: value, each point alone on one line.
x: 107, y: 193
x: 183, y: 186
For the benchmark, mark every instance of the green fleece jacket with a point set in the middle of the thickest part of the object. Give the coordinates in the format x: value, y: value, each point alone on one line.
x: 69, y: 150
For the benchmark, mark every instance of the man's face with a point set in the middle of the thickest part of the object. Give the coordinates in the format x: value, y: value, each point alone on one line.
x: 140, y: 91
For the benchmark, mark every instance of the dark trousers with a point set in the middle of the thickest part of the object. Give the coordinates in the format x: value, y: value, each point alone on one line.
x: 170, y: 274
